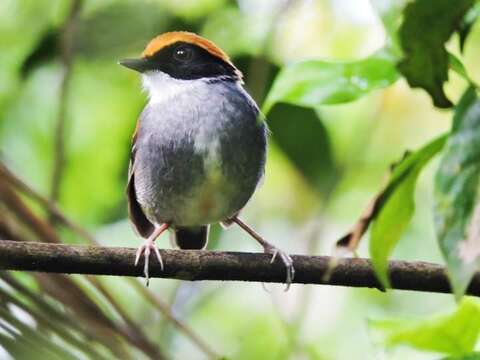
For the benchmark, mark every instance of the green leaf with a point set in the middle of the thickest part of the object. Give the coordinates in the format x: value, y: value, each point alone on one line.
x: 396, y: 207
x: 313, y: 159
x: 467, y: 23
x: 96, y: 38
x: 236, y: 32
x: 456, y: 188
x: 423, y: 34
x: 454, y: 334
x: 315, y: 82
x: 457, y: 66
x: 472, y: 356
x: 390, y: 13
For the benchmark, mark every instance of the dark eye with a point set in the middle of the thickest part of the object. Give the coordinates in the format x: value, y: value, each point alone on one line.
x: 183, y: 53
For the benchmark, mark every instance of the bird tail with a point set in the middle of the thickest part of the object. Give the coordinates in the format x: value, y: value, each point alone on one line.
x: 191, y: 238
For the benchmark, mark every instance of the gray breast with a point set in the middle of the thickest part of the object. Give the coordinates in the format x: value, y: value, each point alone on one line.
x: 200, y: 156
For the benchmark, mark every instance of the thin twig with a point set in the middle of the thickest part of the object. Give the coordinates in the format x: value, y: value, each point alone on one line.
x: 46, y: 233
x: 7, y: 175
x: 66, y: 57
x: 227, y: 266
x: 164, y: 308
x: 136, y: 334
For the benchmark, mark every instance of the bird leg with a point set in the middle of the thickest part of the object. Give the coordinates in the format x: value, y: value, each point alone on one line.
x: 147, y: 247
x: 269, y: 249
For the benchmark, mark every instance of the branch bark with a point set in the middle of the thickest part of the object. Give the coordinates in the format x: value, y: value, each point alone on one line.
x: 228, y: 266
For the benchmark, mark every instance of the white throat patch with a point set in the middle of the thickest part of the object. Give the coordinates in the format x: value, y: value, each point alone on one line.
x: 162, y: 87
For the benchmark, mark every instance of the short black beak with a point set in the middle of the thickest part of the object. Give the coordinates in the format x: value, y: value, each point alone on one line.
x: 140, y: 65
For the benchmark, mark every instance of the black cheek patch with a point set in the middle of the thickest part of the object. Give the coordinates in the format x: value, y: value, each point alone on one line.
x: 202, y: 65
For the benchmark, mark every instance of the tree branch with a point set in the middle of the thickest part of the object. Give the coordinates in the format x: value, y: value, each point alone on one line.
x: 230, y: 266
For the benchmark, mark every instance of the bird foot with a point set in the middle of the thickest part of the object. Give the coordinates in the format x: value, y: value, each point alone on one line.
x: 285, y: 258
x: 146, y: 249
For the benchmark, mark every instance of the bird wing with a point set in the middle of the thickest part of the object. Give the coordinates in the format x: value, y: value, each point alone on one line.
x: 135, y: 212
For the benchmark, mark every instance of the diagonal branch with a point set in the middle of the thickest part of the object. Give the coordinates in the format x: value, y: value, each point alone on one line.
x: 228, y: 266
x: 17, y: 183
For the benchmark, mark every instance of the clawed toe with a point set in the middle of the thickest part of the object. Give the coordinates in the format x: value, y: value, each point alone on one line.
x: 146, y: 248
x: 287, y: 261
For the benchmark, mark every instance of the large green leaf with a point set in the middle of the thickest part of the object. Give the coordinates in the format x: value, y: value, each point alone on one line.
x: 396, y: 206
x: 315, y: 82
x: 309, y: 148
x: 456, y: 187
x: 425, y: 29
x: 454, y: 334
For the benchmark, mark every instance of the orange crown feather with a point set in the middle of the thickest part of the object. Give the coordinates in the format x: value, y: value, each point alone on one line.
x: 169, y: 38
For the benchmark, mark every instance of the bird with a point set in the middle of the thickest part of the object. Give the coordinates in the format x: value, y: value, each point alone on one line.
x: 199, y: 147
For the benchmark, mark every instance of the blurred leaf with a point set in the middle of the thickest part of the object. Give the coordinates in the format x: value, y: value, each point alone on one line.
x: 120, y: 29
x: 390, y: 13
x: 192, y: 10
x: 454, y: 334
x: 17, y: 39
x: 309, y: 150
x: 45, y: 49
x: 266, y: 339
x: 98, y: 141
x: 456, y: 187
x: 467, y: 23
x: 457, y: 66
x: 396, y: 205
x: 22, y: 139
x: 314, y: 82
x: 423, y: 34
x: 472, y: 356
x: 237, y: 33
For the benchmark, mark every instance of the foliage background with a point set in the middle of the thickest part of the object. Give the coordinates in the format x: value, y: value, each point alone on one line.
x: 323, y: 168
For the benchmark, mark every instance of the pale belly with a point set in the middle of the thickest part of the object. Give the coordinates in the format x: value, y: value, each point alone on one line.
x: 188, y: 193
x: 211, y: 201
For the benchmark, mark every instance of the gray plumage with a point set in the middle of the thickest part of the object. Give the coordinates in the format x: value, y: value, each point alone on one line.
x: 197, y: 157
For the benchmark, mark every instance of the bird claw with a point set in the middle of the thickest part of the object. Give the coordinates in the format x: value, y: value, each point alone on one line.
x: 146, y: 248
x: 287, y: 261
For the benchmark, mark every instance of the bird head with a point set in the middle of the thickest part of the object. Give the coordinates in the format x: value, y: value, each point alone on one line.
x: 184, y: 56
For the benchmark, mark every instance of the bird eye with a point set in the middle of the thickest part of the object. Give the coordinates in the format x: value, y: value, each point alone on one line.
x: 183, y: 53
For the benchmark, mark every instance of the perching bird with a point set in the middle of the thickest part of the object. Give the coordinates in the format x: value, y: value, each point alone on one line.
x: 199, y: 148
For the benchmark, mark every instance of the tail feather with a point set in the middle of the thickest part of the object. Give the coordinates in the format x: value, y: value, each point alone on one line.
x: 191, y: 238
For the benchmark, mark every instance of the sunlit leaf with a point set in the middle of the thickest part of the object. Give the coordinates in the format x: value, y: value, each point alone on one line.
x: 396, y: 207
x: 315, y: 82
x: 472, y: 356
x: 454, y: 334
x: 423, y: 34
x: 456, y: 188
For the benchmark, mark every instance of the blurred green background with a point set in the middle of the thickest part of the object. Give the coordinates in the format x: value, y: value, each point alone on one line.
x: 323, y: 167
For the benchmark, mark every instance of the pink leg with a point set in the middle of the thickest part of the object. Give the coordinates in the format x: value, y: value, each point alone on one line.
x: 147, y: 247
x: 269, y: 249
